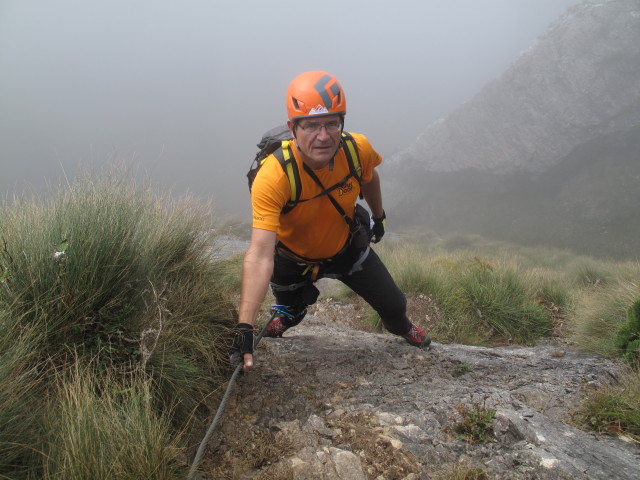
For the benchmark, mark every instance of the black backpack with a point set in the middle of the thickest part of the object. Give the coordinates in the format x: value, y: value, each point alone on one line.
x: 277, y: 141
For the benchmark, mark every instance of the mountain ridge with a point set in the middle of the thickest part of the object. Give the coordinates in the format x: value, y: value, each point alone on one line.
x: 553, y: 97
x: 505, y: 164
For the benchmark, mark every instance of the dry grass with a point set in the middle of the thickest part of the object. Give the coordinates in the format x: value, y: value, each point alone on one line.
x: 104, y: 427
x: 600, y: 313
x: 108, y: 273
x: 614, y: 409
x: 463, y: 471
x: 380, y: 455
x: 255, y: 450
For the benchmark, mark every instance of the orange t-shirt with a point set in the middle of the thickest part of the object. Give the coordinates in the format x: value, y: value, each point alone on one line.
x: 312, y: 229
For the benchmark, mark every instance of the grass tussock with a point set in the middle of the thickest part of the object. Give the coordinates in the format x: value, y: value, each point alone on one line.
x: 600, y: 313
x: 628, y: 338
x: 103, y: 426
x: 22, y: 398
x: 613, y: 409
x: 486, y: 292
x: 463, y: 471
x: 106, y: 273
x: 474, y: 423
x: 480, y: 300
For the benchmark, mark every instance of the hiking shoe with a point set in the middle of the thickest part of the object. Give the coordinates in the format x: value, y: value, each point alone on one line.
x: 276, y: 328
x: 416, y: 337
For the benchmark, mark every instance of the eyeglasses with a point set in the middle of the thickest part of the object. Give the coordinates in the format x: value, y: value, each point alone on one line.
x: 315, y: 127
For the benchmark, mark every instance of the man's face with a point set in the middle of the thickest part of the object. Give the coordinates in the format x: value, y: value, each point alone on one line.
x: 317, y: 139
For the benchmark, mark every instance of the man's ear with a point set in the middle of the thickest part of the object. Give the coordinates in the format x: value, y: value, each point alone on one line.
x: 292, y: 128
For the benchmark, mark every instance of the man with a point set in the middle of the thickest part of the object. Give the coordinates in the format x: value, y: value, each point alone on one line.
x: 319, y: 236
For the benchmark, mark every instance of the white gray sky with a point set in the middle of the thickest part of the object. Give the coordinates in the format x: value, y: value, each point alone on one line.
x: 185, y: 89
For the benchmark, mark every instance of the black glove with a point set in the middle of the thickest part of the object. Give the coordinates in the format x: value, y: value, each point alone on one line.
x: 378, y: 228
x: 242, y: 340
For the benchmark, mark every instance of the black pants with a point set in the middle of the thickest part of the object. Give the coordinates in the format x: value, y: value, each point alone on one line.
x: 292, y: 286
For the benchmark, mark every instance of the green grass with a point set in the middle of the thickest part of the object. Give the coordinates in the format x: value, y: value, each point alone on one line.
x: 482, y: 300
x: 599, y: 314
x: 463, y: 471
x: 230, y: 272
x: 115, y: 317
x: 107, y: 273
x: 613, y: 409
x: 475, y: 422
x: 461, y: 369
x: 591, y: 273
x: 108, y: 427
x: 498, y: 299
x: 628, y: 337
x: 22, y: 398
x: 491, y: 292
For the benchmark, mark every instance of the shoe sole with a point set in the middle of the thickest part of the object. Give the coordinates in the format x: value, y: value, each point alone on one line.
x: 425, y: 343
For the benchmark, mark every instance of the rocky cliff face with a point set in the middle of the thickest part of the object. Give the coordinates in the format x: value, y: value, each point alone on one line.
x: 580, y: 80
x: 576, y: 89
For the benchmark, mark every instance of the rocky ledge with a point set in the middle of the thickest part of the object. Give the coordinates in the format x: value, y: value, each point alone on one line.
x: 326, y: 402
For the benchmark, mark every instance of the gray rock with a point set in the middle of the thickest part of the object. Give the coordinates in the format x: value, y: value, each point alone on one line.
x: 405, y: 400
x: 562, y: 449
x: 326, y: 464
x: 544, y: 154
x: 579, y: 81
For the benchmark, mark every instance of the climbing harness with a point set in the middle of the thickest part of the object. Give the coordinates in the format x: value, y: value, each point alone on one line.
x: 276, y: 309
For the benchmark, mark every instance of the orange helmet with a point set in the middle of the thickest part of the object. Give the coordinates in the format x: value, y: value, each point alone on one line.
x: 315, y: 93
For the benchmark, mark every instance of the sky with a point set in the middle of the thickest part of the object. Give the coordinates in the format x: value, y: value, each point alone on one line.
x: 182, y: 90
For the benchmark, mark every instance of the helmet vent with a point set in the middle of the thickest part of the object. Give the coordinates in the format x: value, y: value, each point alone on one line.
x: 315, y: 93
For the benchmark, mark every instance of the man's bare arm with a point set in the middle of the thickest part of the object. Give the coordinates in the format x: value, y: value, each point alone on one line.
x: 373, y: 195
x: 257, y: 269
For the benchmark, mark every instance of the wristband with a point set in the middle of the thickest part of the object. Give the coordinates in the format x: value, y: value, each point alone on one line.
x: 380, y: 219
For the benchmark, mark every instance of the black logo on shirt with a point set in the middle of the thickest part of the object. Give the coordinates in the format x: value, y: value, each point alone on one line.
x: 346, y: 188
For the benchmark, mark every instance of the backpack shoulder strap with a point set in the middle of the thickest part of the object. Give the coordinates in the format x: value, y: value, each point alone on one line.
x: 288, y: 163
x: 351, y: 151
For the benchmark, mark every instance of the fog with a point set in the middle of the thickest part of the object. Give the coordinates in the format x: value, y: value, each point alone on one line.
x: 183, y: 90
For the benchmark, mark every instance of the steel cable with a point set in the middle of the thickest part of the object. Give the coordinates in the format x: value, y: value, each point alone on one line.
x: 225, y: 399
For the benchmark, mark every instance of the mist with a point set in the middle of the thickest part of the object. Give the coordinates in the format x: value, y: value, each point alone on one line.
x: 183, y: 91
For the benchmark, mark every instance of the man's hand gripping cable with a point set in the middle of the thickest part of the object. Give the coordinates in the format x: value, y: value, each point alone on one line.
x: 236, y: 358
